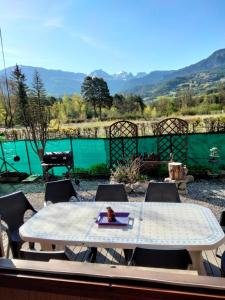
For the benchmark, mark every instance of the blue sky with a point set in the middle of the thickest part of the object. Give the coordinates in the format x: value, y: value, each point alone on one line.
x: 114, y: 35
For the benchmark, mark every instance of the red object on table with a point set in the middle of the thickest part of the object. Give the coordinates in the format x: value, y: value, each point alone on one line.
x: 110, y: 215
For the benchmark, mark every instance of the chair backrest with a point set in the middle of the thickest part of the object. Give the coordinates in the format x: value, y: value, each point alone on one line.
x: 1, y: 243
x: 111, y: 192
x: 59, y: 191
x: 223, y: 265
x: 162, y: 192
x: 42, y: 255
x: 12, y: 209
x: 171, y: 259
x: 222, y: 219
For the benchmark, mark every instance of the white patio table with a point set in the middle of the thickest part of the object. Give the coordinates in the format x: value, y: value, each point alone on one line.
x: 152, y: 225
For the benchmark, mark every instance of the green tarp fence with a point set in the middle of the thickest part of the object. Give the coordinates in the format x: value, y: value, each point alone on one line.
x: 89, y: 152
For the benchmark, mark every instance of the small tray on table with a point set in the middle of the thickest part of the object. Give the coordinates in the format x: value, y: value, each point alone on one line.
x: 122, y: 219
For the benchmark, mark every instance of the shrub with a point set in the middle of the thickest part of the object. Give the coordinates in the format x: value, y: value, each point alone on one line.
x: 128, y: 172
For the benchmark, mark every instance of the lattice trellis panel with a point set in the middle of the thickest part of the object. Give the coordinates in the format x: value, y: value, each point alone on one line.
x: 172, y: 138
x: 123, y: 141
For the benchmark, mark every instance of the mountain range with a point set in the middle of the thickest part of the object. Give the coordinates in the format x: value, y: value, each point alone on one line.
x: 202, y: 75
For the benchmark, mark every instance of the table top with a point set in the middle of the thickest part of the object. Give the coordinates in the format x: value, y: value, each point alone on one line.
x: 151, y: 225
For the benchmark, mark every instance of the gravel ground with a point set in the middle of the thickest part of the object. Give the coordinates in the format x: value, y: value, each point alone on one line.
x: 209, y: 193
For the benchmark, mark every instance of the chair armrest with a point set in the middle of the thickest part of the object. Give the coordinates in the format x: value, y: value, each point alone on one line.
x: 4, y: 227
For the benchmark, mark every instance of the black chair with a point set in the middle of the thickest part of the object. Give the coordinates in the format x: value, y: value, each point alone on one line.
x: 59, y: 191
x: 42, y: 255
x: 222, y: 224
x: 223, y: 265
x: 12, y: 210
x: 162, y: 192
x: 111, y: 193
x: 222, y: 220
x: 171, y: 259
x: 1, y: 243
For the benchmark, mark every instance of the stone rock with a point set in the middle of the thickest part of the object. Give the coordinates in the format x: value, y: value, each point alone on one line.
x: 167, y: 179
x: 128, y: 188
x: 140, y: 187
x: 189, y: 178
x: 183, y: 192
x: 182, y: 186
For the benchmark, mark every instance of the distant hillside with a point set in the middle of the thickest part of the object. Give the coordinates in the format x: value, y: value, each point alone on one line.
x: 57, y: 82
x: 201, y: 82
x: 203, y: 75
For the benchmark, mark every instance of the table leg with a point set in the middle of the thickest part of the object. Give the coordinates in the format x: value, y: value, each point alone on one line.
x: 60, y: 247
x: 197, y: 262
x: 45, y: 246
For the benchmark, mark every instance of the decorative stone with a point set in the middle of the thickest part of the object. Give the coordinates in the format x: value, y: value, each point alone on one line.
x: 189, y: 178
x: 182, y: 186
x: 168, y: 179
x: 128, y: 188
x: 137, y: 187
x: 183, y: 192
x: 140, y: 187
x: 112, y: 181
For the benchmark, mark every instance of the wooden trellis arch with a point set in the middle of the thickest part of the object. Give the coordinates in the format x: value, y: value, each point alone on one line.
x: 172, y: 137
x: 123, y: 141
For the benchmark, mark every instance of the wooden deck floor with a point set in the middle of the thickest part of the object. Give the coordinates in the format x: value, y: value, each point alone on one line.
x: 116, y: 256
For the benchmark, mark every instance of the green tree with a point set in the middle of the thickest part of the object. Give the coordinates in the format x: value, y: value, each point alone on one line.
x: 94, y: 90
x: 38, y: 115
x: 78, y: 106
x: 2, y: 111
x: 6, y: 102
x: 88, y: 92
x: 119, y: 102
x: 221, y: 93
x: 21, y: 91
x: 102, y: 94
x: 140, y: 103
x: 58, y: 113
x: 128, y: 104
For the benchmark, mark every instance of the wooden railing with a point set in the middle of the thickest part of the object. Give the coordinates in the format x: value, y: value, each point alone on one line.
x: 60, y: 280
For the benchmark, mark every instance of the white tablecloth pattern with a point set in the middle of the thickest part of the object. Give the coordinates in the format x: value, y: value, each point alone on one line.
x: 151, y: 225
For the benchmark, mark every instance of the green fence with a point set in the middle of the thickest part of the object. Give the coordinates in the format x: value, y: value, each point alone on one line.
x: 89, y: 152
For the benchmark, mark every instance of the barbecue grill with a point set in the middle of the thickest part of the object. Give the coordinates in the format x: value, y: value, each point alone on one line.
x: 57, y: 159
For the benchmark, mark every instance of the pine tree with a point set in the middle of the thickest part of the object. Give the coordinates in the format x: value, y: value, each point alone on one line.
x: 38, y: 114
x: 21, y: 90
